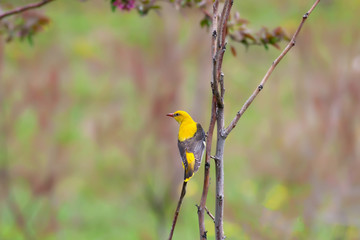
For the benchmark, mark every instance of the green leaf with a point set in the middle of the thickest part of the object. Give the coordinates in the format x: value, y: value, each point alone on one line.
x: 144, y: 11
x: 113, y: 7
x: 205, y: 22
x: 29, y: 38
x: 245, y: 42
x: 273, y: 40
x: 155, y: 7
x: 266, y: 46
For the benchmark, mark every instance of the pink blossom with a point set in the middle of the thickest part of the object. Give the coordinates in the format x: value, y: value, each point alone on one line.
x: 125, y: 4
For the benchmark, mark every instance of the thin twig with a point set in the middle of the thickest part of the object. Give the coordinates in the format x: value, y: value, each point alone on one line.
x: 215, y: 54
x: 221, y: 44
x: 219, y: 47
x: 214, y: 30
x: 268, y: 73
x: 183, y: 191
x: 24, y: 8
x: 215, y: 84
x: 222, y: 86
x: 215, y: 158
x: 202, y: 205
x: 223, y: 22
x: 210, y: 215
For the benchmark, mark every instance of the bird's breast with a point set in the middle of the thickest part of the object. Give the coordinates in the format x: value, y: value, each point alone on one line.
x: 187, y: 130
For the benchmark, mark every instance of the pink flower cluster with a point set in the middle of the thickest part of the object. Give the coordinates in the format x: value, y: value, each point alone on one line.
x: 125, y: 4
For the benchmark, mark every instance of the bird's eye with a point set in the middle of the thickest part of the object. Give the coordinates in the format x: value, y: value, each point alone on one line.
x: 176, y: 114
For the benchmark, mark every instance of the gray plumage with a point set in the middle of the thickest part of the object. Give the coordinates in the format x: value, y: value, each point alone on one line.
x: 195, y: 145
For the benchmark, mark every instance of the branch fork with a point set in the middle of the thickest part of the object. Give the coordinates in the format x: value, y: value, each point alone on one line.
x: 269, y: 72
x: 218, y: 46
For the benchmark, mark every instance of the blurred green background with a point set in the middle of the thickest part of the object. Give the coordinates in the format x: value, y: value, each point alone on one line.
x: 88, y: 153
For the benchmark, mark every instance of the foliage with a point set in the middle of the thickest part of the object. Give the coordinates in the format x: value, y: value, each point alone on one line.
x: 23, y: 26
x: 27, y: 24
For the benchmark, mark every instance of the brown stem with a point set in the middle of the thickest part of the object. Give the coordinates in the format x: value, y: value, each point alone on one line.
x: 183, y: 191
x: 219, y: 80
x: 222, y: 28
x: 202, y: 206
x: 221, y: 44
x: 268, y: 73
x: 215, y: 54
x: 24, y: 8
x: 222, y: 86
x: 219, y: 172
x: 214, y: 30
x: 215, y: 83
x: 210, y: 215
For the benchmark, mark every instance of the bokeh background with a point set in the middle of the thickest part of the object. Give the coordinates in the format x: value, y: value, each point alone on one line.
x: 88, y: 153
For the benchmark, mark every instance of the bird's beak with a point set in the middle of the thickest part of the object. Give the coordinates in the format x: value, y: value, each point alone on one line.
x: 170, y: 115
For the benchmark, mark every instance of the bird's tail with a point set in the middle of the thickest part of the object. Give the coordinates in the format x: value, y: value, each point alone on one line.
x: 189, y: 171
x: 188, y: 174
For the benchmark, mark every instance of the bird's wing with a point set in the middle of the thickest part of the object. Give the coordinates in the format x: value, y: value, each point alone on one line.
x: 182, y: 150
x: 199, y: 146
x: 195, y: 145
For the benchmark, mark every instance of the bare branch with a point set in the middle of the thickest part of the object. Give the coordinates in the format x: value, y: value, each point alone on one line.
x: 24, y: 8
x: 221, y: 46
x: 215, y: 158
x: 214, y: 29
x: 223, y: 22
x: 222, y: 86
x: 219, y: 172
x: 215, y: 85
x: 210, y: 215
x: 202, y: 206
x: 218, y: 48
x: 183, y: 191
x: 268, y: 73
x: 215, y: 54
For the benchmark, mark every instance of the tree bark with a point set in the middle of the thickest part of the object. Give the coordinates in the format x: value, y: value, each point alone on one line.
x: 219, y: 161
x: 202, y: 206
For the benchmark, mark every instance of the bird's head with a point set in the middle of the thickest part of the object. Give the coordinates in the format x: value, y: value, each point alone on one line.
x: 180, y: 116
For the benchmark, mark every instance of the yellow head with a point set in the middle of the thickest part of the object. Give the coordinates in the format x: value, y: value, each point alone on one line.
x: 180, y: 116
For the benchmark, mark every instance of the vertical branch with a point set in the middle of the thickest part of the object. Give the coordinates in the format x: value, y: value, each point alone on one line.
x: 222, y: 86
x: 214, y: 30
x: 202, y: 206
x: 216, y: 101
x: 220, y: 144
x: 218, y: 46
x: 215, y: 53
x: 222, y: 28
x: 183, y: 191
x: 219, y: 169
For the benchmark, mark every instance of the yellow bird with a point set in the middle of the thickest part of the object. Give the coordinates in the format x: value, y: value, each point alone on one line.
x: 191, y: 142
